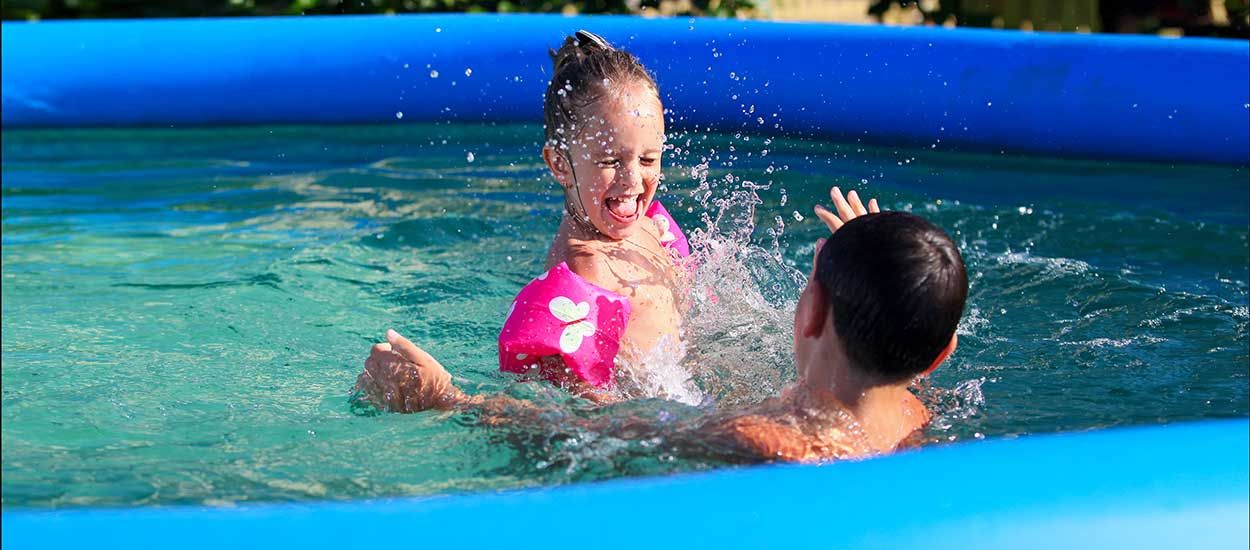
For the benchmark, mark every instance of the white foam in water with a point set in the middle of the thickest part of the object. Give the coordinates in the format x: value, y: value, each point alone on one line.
x: 664, y: 377
x: 1052, y: 266
x: 1115, y: 342
x: 952, y: 406
x: 971, y: 321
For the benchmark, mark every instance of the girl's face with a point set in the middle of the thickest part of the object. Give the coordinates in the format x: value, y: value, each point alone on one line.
x: 615, y: 160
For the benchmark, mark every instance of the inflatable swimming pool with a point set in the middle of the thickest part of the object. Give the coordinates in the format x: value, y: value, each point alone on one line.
x: 1180, y: 485
x: 1062, y: 94
x: 1170, y: 487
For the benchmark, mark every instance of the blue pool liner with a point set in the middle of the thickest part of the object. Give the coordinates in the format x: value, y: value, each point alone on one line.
x: 1140, y: 97
x: 1178, y: 486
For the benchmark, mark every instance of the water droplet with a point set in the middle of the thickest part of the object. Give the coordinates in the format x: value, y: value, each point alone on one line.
x: 469, y: 157
x: 433, y: 74
x: 399, y: 114
x: 797, y: 216
x: 468, y: 72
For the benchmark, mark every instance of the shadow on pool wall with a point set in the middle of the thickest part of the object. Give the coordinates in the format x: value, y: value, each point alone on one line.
x: 1082, y: 96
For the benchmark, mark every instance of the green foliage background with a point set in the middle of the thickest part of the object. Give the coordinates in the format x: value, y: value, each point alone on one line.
x: 79, y: 9
x: 1192, y: 17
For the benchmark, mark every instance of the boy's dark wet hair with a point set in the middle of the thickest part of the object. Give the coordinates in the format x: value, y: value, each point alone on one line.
x: 585, y: 69
x: 897, y: 286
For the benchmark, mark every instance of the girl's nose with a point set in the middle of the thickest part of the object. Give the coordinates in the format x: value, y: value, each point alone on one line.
x: 632, y: 175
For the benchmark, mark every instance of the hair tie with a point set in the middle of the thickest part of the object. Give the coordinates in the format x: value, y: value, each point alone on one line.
x: 587, y: 36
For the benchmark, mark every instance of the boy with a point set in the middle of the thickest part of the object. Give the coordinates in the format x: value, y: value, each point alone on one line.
x: 880, y: 309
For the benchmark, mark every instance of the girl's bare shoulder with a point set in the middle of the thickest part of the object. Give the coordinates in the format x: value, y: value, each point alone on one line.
x: 591, y: 260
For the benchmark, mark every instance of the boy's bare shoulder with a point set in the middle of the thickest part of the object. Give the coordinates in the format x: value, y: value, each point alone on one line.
x: 773, y: 437
x: 766, y: 437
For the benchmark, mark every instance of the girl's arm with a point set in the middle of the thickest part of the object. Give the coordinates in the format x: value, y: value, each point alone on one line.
x: 401, y: 377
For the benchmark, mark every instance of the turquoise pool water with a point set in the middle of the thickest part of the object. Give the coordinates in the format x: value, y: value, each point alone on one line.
x: 185, y: 311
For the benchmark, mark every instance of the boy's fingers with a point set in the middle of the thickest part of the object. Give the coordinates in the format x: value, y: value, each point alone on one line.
x: 872, y: 206
x: 844, y: 209
x: 831, y: 221
x: 856, y: 204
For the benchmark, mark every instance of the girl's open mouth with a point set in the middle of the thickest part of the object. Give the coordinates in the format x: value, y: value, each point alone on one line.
x: 625, y: 208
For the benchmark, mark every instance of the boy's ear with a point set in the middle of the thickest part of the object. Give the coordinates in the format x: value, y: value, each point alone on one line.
x: 558, y: 165
x: 943, y: 355
x: 812, y: 311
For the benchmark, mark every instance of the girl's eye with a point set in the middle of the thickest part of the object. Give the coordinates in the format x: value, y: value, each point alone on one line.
x: 609, y: 163
x: 648, y: 161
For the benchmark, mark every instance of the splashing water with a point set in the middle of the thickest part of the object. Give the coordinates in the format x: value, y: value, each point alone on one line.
x: 660, y: 373
x: 189, y: 337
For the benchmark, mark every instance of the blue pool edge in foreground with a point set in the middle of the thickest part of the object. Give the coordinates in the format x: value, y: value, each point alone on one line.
x: 1183, y: 485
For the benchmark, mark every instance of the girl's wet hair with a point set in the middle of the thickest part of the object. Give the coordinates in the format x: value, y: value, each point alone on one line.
x: 586, y: 68
x: 897, y: 286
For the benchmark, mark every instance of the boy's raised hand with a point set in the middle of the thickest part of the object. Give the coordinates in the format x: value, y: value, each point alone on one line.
x: 848, y: 207
x: 401, y: 377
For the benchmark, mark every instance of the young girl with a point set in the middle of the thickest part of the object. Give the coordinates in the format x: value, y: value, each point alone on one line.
x: 606, y: 309
x: 607, y: 300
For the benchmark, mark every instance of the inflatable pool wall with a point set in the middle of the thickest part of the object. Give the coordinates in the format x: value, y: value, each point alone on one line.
x: 1145, y: 98
x: 1164, y: 487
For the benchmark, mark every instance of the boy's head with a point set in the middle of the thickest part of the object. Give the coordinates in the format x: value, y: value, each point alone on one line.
x: 605, y: 134
x: 895, y: 286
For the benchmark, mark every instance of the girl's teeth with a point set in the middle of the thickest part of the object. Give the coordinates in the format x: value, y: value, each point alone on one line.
x: 623, y: 207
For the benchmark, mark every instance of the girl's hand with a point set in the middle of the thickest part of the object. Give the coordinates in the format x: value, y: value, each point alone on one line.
x: 848, y: 208
x: 401, y: 377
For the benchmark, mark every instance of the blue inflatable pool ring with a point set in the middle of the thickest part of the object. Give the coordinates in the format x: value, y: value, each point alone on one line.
x: 1178, y: 486
x: 1142, y: 98
x: 1165, y: 487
